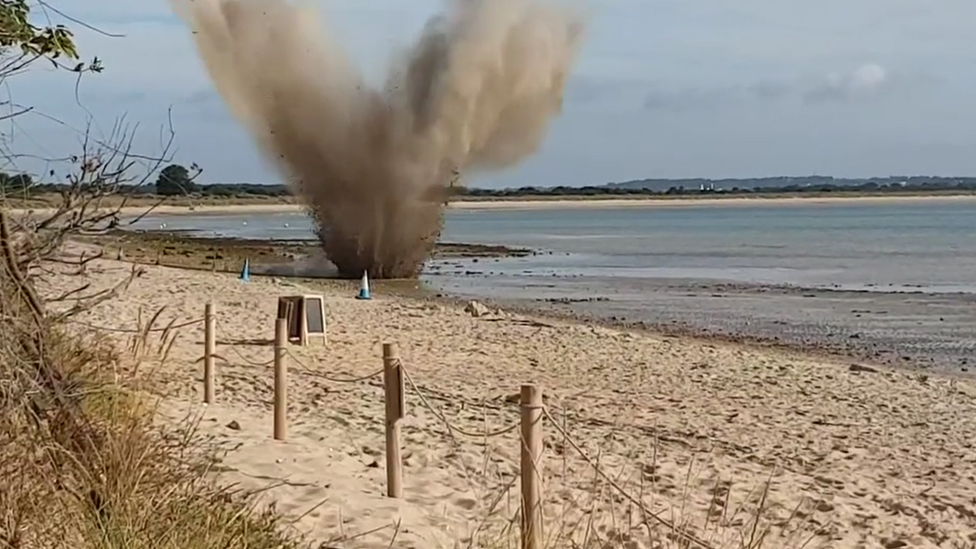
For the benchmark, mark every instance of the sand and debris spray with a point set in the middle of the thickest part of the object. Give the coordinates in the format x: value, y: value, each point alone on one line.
x: 374, y: 164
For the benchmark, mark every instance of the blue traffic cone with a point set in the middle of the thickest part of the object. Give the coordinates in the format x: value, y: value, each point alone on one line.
x: 364, y: 288
x: 246, y: 270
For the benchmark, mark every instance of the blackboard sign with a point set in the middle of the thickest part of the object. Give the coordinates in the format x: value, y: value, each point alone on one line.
x: 290, y: 308
x: 314, y: 315
x: 305, y: 315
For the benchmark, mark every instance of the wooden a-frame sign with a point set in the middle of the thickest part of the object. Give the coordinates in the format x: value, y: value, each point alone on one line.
x: 305, y: 315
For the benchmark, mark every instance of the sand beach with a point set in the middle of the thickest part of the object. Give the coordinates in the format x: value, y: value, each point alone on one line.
x: 140, y: 207
x: 650, y: 440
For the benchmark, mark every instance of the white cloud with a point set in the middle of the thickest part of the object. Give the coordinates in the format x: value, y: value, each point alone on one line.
x: 866, y: 82
x: 869, y: 81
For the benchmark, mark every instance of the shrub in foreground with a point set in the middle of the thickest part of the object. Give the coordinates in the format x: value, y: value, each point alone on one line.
x: 83, y: 466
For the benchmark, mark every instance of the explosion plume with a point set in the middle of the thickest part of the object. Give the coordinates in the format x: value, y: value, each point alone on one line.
x: 374, y: 166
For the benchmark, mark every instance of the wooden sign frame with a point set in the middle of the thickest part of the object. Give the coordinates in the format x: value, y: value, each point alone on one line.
x: 297, y: 310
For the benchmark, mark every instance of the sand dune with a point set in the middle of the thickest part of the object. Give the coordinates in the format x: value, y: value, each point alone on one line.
x: 703, y: 433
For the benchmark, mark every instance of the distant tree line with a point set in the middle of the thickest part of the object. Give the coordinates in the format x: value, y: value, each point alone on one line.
x: 742, y: 189
x: 177, y: 180
x: 15, y: 184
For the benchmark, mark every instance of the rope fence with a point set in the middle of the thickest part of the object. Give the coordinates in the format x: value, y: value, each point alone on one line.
x: 395, y: 378
x: 169, y: 327
x: 305, y: 370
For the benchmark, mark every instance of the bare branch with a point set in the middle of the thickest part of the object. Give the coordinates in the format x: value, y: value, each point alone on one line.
x: 88, y: 182
x: 48, y: 7
x: 22, y: 111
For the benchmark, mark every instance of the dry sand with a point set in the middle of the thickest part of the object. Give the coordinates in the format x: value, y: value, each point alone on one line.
x: 543, y: 204
x: 586, y: 203
x: 863, y: 458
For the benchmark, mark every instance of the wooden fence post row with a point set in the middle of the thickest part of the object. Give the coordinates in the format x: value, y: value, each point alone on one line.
x: 531, y: 442
x: 280, y: 369
x: 393, y: 378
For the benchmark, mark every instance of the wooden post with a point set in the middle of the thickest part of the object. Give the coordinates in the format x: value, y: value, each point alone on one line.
x: 393, y: 390
x: 280, y: 380
x: 531, y: 467
x: 209, y: 349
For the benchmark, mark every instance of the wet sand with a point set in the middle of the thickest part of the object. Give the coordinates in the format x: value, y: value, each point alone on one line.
x: 915, y: 330
x: 280, y: 257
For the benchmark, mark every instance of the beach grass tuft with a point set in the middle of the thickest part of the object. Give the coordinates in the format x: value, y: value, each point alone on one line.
x: 84, y: 465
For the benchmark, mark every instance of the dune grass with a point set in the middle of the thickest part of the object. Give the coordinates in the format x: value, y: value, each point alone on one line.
x: 82, y: 464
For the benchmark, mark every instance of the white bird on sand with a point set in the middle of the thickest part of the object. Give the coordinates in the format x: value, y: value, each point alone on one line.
x: 287, y: 225
x: 244, y: 223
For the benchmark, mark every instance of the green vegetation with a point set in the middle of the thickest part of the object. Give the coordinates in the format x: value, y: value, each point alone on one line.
x: 745, y: 187
x: 23, y: 42
x: 13, y: 185
x: 174, y: 180
x: 178, y: 181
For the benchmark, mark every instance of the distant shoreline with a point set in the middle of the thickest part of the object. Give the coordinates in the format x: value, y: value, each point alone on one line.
x: 516, y: 204
x: 685, y: 201
x: 232, y: 206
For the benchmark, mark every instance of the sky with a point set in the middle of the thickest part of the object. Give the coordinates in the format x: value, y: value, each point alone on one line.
x: 662, y: 89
